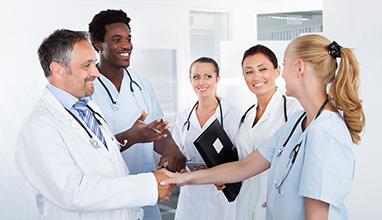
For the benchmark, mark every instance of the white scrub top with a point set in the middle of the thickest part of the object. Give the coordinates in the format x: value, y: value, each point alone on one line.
x: 203, y: 201
x: 323, y: 169
x: 251, y: 200
x: 72, y: 179
x: 139, y: 158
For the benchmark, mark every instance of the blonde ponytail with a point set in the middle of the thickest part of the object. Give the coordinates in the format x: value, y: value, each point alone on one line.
x: 343, y: 85
x: 344, y: 93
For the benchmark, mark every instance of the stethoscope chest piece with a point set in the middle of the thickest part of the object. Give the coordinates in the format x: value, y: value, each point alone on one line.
x: 115, y: 106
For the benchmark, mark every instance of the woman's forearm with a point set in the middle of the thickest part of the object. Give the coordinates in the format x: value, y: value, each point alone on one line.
x: 232, y: 172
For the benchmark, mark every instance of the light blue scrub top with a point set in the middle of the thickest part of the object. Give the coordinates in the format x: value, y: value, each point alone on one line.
x: 323, y: 169
x: 139, y: 158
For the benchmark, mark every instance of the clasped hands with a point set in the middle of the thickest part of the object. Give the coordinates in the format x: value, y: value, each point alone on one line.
x: 164, y: 191
x: 167, y: 180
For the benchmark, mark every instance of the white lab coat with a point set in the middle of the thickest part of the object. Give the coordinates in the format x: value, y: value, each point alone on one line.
x: 203, y: 201
x: 252, y: 196
x: 72, y: 179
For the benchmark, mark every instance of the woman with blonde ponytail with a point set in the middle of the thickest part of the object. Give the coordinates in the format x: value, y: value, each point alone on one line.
x: 310, y: 158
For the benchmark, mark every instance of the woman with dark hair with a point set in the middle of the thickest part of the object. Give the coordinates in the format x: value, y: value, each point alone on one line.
x: 204, y: 201
x: 271, y: 110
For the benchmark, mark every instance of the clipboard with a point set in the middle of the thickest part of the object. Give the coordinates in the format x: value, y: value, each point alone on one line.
x: 215, y: 147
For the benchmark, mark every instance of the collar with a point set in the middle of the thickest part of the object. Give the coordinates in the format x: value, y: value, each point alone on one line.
x: 65, y: 98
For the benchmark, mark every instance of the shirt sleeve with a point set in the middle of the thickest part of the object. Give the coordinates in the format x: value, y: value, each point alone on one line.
x: 176, y: 131
x: 329, y: 164
x: 154, y: 108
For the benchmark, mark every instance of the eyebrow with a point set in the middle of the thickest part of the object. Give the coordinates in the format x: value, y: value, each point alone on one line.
x: 88, y: 61
x: 262, y: 64
x: 120, y: 35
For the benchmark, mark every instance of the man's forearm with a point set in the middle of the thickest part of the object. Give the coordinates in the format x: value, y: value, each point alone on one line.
x: 165, y: 144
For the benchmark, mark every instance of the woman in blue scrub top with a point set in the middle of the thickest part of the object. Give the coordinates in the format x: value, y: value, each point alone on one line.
x: 310, y: 158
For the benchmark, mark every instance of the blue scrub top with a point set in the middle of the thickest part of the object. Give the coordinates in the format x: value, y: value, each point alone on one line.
x: 323, y: 169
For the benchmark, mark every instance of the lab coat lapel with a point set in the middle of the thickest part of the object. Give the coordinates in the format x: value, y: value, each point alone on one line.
x: 272, y: 108
x: 195, y: 122
x: 64, y: 118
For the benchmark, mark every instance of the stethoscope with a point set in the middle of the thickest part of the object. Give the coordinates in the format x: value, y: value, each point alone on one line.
x: 192, y: 109
x: 250, y: 108
x: 114, y: 103
x: 187, y: 123
x: 293, y: 154
x: 93, y: 139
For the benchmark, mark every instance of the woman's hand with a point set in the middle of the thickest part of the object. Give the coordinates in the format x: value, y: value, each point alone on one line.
x: 179, y: 179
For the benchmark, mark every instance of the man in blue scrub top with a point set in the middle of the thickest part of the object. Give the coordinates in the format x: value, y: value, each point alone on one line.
x: 128, y: 100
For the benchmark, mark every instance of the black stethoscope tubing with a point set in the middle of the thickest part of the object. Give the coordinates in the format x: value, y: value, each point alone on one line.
x: 192, y: 109
x: 82, y: 124
x: 296, y: 149
x: 301, y: 117
x: 249, y: 109
x: 131, y: 86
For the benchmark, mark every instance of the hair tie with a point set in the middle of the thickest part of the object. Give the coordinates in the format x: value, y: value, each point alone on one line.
x: 334, y: 49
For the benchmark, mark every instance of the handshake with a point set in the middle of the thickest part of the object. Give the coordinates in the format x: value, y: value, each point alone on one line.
x: 164, y: 191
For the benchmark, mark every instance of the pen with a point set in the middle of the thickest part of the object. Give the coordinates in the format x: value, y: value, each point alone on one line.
x: 154, y: 129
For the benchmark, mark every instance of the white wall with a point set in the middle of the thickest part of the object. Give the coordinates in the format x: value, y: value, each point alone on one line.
x: 357, y: 24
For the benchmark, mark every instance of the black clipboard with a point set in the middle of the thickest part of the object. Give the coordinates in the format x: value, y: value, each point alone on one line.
x: 215, y: 153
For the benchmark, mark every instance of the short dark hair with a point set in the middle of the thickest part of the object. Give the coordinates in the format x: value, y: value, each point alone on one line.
x: 206, y: 60
x: 263, y: 50
x: 58, y: 47
x: 97, y: 27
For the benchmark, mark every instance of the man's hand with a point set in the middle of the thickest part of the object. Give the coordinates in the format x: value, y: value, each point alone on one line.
x: 172, y: 159
x: 164, y: 191
x: 143, y: 133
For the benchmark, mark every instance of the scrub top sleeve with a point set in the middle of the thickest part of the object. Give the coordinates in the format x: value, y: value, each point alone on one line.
x: 154, y: 107
x: 328, y: 166
x: 176, y: 131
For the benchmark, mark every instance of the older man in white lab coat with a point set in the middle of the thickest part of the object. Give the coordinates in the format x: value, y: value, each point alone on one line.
x: 73, y: 162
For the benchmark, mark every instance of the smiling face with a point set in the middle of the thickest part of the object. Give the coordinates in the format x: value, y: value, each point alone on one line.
x: 78, y: 78
x: 260, y: 74
x: 116, y: 47
x: 204, y: 79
